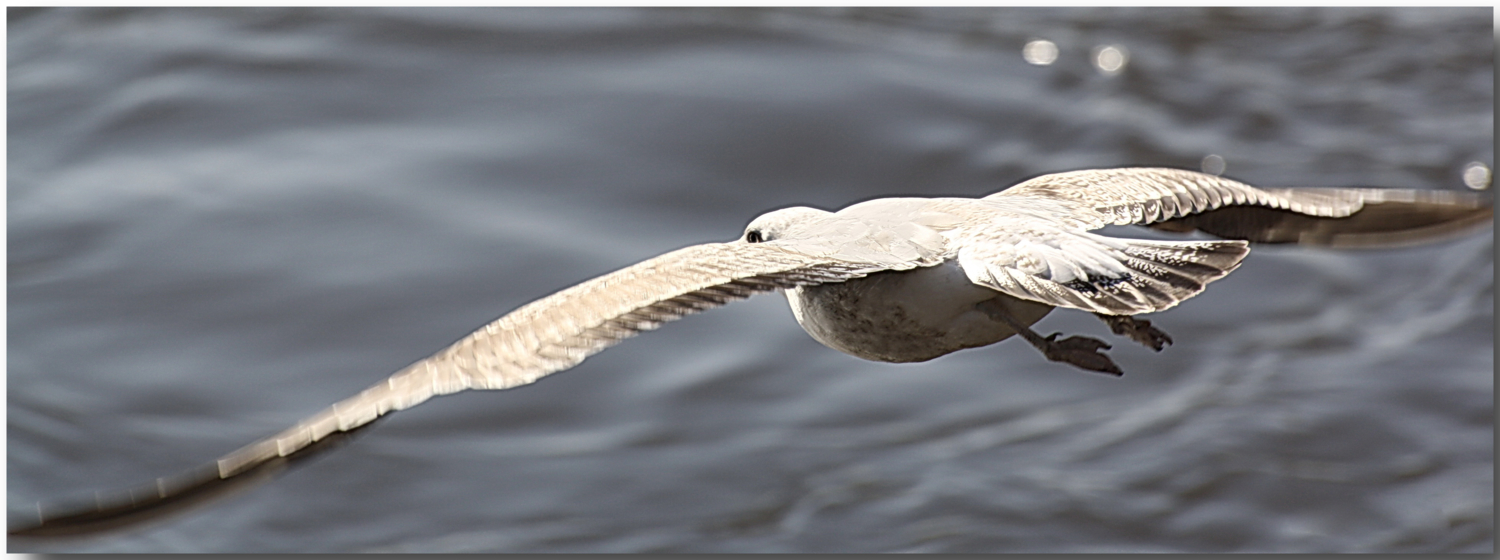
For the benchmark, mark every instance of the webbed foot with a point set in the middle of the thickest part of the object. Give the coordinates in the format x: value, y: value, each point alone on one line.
x: 1139, y: 330
x: 1080, y: 351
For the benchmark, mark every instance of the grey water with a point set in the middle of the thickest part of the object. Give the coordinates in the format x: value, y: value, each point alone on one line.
x: 222, y: 220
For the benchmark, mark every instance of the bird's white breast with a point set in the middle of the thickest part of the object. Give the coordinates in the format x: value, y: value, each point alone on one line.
x: 906, y: 316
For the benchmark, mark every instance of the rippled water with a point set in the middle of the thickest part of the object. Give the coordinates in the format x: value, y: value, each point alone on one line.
x: 223, y: 220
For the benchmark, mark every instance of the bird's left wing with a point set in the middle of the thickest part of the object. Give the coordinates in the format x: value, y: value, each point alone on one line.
x: 543, y: 337
x: 1032, y: 240
x: 1182, y: 200
x: 1147, y: 195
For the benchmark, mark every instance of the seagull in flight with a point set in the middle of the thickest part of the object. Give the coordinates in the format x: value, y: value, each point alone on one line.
x: 890, y: 279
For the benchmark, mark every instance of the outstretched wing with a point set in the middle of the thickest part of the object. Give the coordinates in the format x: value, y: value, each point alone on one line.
x: 1039, y: 246
x: 543, y: 337
x: 1180, y: 200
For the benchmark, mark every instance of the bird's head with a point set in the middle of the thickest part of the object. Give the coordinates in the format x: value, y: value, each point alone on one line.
x: 781, y: 224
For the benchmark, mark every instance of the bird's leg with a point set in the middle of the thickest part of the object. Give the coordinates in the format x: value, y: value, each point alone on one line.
x: 1080, y: 351
x: 1139, y: 330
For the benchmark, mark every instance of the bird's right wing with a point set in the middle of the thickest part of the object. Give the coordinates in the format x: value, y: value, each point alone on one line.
x: 543, y: 337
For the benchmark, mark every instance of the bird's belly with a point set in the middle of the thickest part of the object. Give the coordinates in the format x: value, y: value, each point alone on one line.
x: 906, y: 316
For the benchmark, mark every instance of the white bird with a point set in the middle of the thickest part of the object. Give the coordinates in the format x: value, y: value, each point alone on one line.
x: 892, y: 279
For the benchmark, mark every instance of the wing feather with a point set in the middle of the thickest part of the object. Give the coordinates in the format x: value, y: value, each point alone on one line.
x: 559, y: 331
x: 1146, y: 195
x: 1181, y: 200
x: 542, y: 337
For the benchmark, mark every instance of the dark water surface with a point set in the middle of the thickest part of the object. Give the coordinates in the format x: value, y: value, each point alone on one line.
x: 221, y: 221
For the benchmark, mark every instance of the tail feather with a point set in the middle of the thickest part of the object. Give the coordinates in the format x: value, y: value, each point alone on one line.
x: 1109, y: 275
x: 1169, y: 272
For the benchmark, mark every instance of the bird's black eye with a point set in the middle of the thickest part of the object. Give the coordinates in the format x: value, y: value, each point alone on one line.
x: 753, y: 236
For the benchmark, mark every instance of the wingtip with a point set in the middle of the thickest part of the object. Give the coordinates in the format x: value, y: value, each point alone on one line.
x: 109, y: 512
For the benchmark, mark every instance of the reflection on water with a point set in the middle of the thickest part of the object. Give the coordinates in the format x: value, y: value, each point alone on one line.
x: 1110, y: 59
x: 1477, y: 175
x: 1040, y: 52
x: 1213, y: 164
x: 223, y: 220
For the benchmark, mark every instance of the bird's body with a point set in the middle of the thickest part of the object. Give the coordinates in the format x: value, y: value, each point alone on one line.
x: 907, y: 316
x: 893, y: 279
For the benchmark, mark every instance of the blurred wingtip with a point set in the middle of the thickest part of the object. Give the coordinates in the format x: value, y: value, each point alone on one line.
x: 1387, y: 218
x: 109, y: 512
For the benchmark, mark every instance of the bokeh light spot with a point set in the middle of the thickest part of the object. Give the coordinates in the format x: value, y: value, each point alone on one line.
x: 1040, y: 52
x: 1477, y: 175
x: 1213, y: 164
x: 1110, y: 59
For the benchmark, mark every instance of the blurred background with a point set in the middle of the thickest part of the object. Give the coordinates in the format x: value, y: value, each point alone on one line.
x: 223, y: 220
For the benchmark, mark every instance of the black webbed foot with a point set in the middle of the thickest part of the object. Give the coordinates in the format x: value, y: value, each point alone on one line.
x: 1080, y: 351
x: 1139, y: 330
